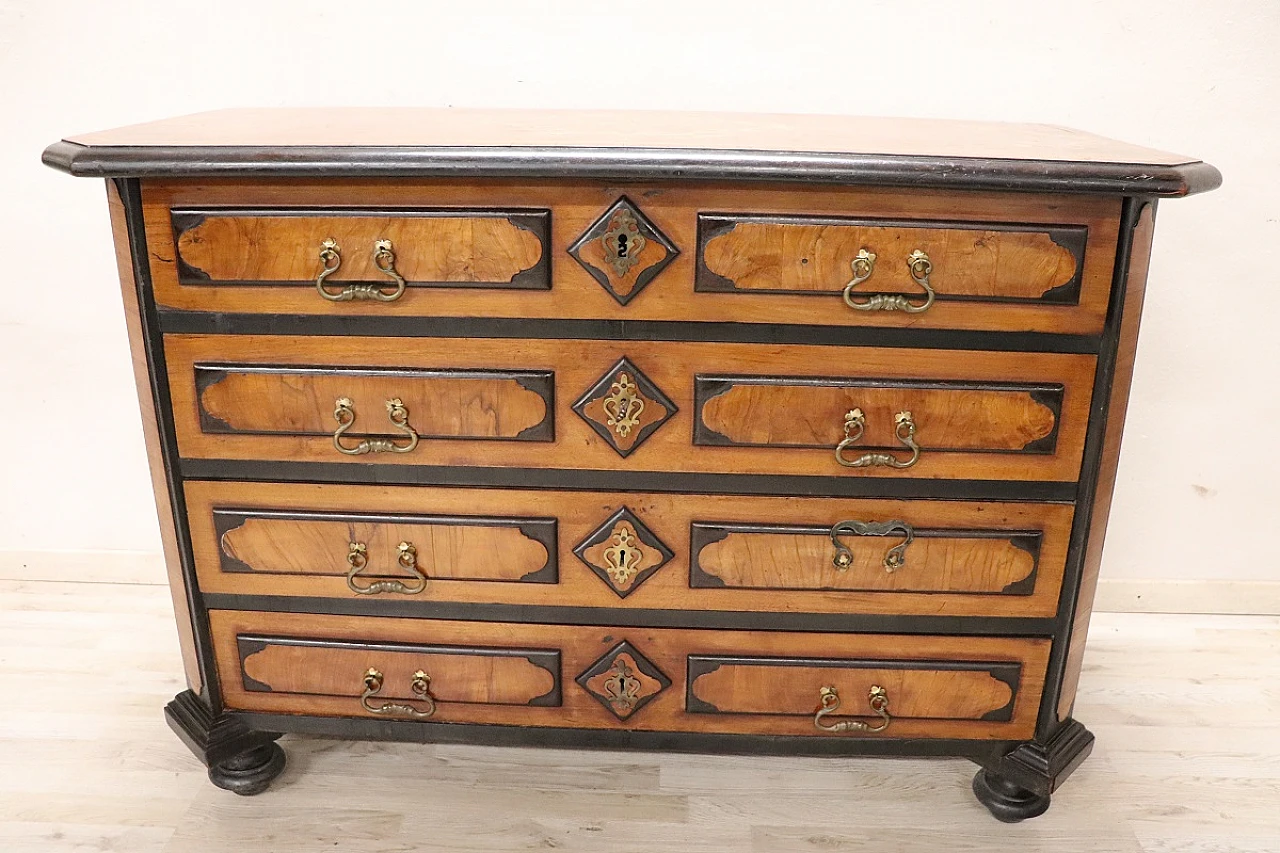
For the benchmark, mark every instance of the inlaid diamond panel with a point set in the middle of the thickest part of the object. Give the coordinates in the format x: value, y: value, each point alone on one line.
x: 623, y: 250
x: 623, y: 552
x: 624, y: 407
x: 624, y: 681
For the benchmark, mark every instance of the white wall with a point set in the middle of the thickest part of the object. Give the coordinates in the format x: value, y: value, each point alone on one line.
x: 1199, y: 481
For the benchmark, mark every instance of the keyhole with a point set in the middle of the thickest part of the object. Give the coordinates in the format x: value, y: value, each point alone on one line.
x: 622, y: 245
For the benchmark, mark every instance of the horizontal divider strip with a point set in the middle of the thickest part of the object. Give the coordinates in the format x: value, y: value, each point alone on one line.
x: 266, y: 471
x: 730, y: 620
x: 397, y: 326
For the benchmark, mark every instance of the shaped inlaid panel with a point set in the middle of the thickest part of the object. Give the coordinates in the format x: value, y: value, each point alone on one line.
x: 466, y: 548
x: 623, y: 681
x: 623, y: 250
x: 437, y: 247
x: 280, y: 400
x: 801, y: 557
x: 624, y: 407
x: 623, y: 552
x: 765, y: 411
x: 811, y: 255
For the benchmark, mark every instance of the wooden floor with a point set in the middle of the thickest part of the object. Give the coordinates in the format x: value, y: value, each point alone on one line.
x: 1186, y: 710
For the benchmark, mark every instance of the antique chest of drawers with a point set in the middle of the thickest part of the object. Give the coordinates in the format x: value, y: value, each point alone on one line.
x: 776, y: 434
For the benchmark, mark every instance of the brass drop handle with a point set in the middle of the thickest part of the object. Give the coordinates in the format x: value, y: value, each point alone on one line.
x: 829, y: 703
x: 918, y: 264
x: 855, y: 424
x: 344, y: 412
x: 406, y: 557
x: 421, y: 687
x: 894, y: 558
x: 384, y: 258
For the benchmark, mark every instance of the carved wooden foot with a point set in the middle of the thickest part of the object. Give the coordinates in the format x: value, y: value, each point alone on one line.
x: 1017, y: 785
x: 239, y: 759
x: 1005, y: 800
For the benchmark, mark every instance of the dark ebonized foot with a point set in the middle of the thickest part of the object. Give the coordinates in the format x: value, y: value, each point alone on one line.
x: 239, y: 759
x: 1017, y: 785
x: 1005, y: 800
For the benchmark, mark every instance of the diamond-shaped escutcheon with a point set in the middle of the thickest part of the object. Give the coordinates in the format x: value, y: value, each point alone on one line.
x: 624, y: 681
x: 623, y: 250
x: 623, y: 552
x: 624, y: 407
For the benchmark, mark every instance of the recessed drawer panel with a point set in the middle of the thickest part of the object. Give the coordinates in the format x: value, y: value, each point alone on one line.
x: 632, y: 406
x: 648, y: 679
x: 401, y: 546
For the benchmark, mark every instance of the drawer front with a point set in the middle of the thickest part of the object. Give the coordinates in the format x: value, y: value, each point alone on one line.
x: 706, y: 253
x: 636, y: 550
x: 440, y: 247
x: 650, y: 679
x: 634, y: 405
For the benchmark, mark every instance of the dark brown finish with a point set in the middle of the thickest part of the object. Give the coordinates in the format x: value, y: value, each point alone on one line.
x: 623, y: 250
x: 239, y: 759
x: 623, y: 552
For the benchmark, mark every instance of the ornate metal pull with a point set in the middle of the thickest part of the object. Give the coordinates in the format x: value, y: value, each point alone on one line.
x: 829, y: 703
x: 855, y: 424
x: 384, y: 257
x: 894, y: 559
x: 345, y: 414
x: 406, y: 556
x: 421, y: 687
x: 918, y: 264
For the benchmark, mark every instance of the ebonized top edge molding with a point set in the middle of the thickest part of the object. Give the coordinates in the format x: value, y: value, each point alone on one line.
x: 631, y: 145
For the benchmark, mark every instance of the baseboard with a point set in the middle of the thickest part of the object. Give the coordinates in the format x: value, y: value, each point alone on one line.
x: 1228, y: 597
x: 134, y: 567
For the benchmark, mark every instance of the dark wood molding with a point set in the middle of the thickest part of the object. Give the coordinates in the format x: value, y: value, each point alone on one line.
x: 605, y: 662
x: 240, y: 758
x: 1041, y: 766
x: 650, y: 231
x: 646, y: 537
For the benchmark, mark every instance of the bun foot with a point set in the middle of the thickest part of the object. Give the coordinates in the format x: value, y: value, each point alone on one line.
x: 249, y: 772
x: 1005, y: 800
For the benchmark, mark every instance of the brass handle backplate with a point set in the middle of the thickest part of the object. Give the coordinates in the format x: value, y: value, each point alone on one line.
x: 344, y: 412
x: 384, y: 258
x: 829, y: 703
x: 855, y: 424
x: 406, y: 557
x: 421, y: 687
x: 918, y: 264
x: 894, y: 558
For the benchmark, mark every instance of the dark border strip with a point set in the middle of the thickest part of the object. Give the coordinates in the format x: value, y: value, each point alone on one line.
x: 608, y: 617
x: 650, y: 164
x: 255, y: 471
x: 400, y: 326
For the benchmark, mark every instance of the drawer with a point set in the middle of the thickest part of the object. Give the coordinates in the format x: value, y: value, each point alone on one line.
x: 636, y: 550
x: 707, y: 253
x: 654, y: 679
x: 605, y: 405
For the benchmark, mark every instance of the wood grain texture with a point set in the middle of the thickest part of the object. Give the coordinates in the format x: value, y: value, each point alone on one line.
x: 674, y: 210
x: 441, y: 403
x: 151, y: 436
x: 667, y: 649
x: 1117, y: 407
x: 865, y: 588
x: 800, y: 255
x: 256, y: 246
x: 670, y: 366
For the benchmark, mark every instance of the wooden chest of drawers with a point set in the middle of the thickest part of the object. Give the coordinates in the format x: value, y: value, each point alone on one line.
x: 724, y: 433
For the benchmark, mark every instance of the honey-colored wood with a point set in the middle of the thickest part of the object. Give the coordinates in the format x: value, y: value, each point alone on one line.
x: 667, y: 649
x: 674, y: 209
x: 435, y: 249
x: 941, y: 576
x: 670, y: 366
x: 1135, y: 291
x: 771, y: 256
x: 812, y: 415
x: 452, y: 548
x: 450, y: 128
x: 151, y: 437
x: 438, y: 405
x: 490, y: 675
x: 760, y: 686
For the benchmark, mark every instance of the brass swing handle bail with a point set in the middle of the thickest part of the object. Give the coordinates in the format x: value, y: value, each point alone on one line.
x: 829, y: 703
x: 864, y: 264
x: 384, y: 258
x: 344, y: 412
x: 406, y: 558
x: 855, y: 423
x: 421, y: 687
x: 894, y: 558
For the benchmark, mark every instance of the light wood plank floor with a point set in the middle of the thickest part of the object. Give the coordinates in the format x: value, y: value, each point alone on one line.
x: 1185, y: 708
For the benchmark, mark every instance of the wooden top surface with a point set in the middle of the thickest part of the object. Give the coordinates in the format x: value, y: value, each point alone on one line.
x: 347, y: 141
